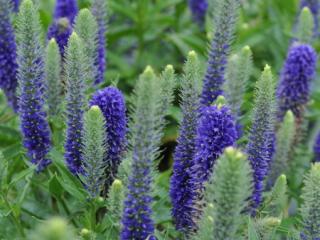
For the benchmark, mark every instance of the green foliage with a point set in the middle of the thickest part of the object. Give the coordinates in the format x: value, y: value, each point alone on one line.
x: 228, y: 190
x: 285, y: 138
x: 53, y: 229
x: 304, y: 32
x: 311, y: 203
x: 53, y: 79
x: 87, y: 29
x: 94, y: 150
x: 237, y: 76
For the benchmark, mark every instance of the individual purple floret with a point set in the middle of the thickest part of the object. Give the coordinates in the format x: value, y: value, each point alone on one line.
x: 60, y: 30
x: 314, y: 6
x: 198, y: 9
x: 294, y: 86
x: 99, y: 11
x: 8, y: 55
x: 316, y: 148
x: 112, y: 104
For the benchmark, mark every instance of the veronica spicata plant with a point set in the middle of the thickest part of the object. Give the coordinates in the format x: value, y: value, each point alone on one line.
x: 99, y: 10
x: 181, y: 194
x: 146, y: 130
x: 285, y: 138
x: 87, y: 29
x: 261, y: 135
x: 228, y: 192
x: 75, y: 102
x: 225, y: 22
x: 294, y: 86
x: 112, y: 104
x: 8, y: 54
x: 34, y: 125
x: 53, y: 79
x: 310, y: 207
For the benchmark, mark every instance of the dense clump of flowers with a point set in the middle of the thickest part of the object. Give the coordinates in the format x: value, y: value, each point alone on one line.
x: 99, y: 11
x: 8, y: 64
x: 294, y: 86
x: 180, y: 192
x: 34, y: 125
x: 61, y: 28
x: 220, y: 47
x: 216, y: 131
x: 75, y: 102
x: 112, y: 104
x: 261, y: 142
x: 198, y: 9
x: 314, y: 6
x: 146, y: 131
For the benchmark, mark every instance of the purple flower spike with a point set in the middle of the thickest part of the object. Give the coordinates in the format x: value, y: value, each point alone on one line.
x: 111, y: 102
x: 8, y: 65
x: 60, y: 30
x: 294, y: 86
x: 198, y: 9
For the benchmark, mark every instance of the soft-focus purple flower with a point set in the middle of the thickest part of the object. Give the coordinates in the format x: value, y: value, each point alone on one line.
x: 316, y: 148
x: 294, y: 85
x: 66, y: 9
x: 8, y: 55
x: 198, y: 9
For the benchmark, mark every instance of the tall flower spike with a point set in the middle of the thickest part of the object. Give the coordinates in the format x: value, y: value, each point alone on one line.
x: 261, y: 134
x: 99, y: 10
x: 87, y: 29
x: 61, y: 28
x: 228, y: 190
x: 34, y: 125
x: 53, y: 77
x: 285, y: 137
x: 237, y: 76
x: 94, y: 150
x: 198, y: 9
x: 146, y: 131
x: 316, y: 148
x: 314, y: 6
x: 180, y: 193
x: 311, y: 203
x: 76, y: 103
x: 305, y: 27
x: 294, y: 85
x: 112, y: 104
x: 8, y: 55
x: 220, y: 47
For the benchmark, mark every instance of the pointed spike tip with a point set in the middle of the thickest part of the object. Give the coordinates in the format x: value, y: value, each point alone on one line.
x: 169, y: 68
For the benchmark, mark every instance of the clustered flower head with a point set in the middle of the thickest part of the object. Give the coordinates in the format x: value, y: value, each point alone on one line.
x: 216, y: 131
x: 294, y: 85
x: 198, y: 9
x: 8, y: 55
x: 34, y: 124
x: 112, y: 104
